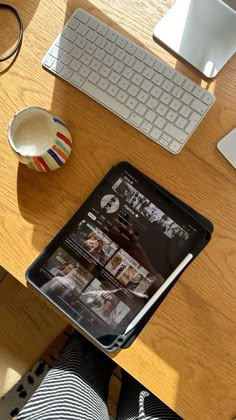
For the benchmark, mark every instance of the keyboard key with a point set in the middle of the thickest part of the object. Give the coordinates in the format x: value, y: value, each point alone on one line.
x: 111, y: 35
x: 118, y: 66
x: 160, y: 122
x: 156, y: 92
x: 163, y: 142
x: 155, y: 133
x: 150, y: 116
x: 127, y: 72
x: 130, y: 48
x: 75, y: 64
x: 131, y: 103
x: 171, y: 116
x: 146, y: 127
x: 102, y: 29
x: 167, y: 85
x: 159, y: 66
x: 57, y: 66
x: 185, y: 111
x: 179, y: 79
x: 73, y: 23
x: 77, y: 52
x: 121, y: 41
x: 66, y: 59
x: 100, y: 41
x: 137, y: 79
x: 66, y: 72
x: 104, y: 71
x: 123, y: 83
x: 149, y: 60
x: 82, y: 29
x: 77, y: 80
x: 169, y: 72
x: 90, y: 48
x: 175, y: 105
x: 133, y: 90
x: 140, y: 54
x: 108, y: 60
x: 195, y: 118
x: 198, y: 106
x: 208, y: 98
x: 55, y: 52
x: 198, y: 92
x: 69, y: 34
x: 141, y: 109
x: 158, y: 79
x: 146, y: 85
x: 165, y: 98
x: 186, y: 98
x: 119, y: 54
x: 142, y: 96
x: 148, y: 73
x: 93, y: 23
x: 121, y: 96
x: 114, y: 77
x: 162, y: 109
x: 175, y: 132
x: 129, y: 60
x: 84, y: 71
x: 138, y: 66
x: 103, y: 83
x: 180, y: 122
x: 135, y: 119
x: 95, y: 64
x: 110, y: 48
x: 91, y: 35
x: 112, y: 90
x: 82, y: 16
x: 177, y: 92
x: 94, y: 77
x: 86, y: 58
x: 80, y: 42
x: 152, y: 103
x: 188, y: 85
x: 48, y: 60
x: 175, y: 146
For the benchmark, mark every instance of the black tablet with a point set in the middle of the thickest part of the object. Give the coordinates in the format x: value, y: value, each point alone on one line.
x: 120, y: 252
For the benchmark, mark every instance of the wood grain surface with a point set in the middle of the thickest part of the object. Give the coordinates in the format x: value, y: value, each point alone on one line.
x: 186, y: 352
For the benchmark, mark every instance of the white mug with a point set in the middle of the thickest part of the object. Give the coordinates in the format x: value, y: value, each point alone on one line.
x: 39, y: 139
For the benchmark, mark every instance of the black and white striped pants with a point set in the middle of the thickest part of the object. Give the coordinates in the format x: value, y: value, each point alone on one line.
x: 76, y: 388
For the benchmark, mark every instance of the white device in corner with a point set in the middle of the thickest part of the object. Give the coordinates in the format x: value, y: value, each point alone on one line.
x: 202, y: 32
x: 227, y: 146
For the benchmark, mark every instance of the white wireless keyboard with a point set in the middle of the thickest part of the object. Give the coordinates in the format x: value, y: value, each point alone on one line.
x: 134, y: 84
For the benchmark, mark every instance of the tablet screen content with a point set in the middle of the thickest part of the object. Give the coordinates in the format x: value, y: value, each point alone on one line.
x: 115, y: 253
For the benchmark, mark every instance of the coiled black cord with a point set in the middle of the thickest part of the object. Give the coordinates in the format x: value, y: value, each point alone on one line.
x: 20, y: 36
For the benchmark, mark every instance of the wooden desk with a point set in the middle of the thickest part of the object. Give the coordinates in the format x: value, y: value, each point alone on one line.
x: 186, y: 353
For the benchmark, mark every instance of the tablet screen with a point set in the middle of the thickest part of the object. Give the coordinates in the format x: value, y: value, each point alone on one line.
x: 115, y: 253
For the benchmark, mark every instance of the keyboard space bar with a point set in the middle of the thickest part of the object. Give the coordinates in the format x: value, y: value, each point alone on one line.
x: 105, y: 99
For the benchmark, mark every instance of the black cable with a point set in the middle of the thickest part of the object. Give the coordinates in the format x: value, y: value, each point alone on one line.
x: 20, y: 36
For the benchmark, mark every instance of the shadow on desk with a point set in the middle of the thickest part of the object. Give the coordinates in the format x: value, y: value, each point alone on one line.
x: 100, y: 140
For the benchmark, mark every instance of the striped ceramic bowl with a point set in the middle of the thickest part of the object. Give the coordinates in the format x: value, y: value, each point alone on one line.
x: 39, y: 139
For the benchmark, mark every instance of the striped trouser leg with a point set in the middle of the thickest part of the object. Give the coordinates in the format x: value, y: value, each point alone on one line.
x: 75, y: 388
x: 137, y: 403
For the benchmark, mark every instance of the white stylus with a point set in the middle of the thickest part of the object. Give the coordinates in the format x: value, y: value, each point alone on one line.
x: 158, y: 293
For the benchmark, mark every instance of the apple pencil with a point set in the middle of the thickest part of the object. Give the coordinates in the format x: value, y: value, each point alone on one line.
x: 158, y: 293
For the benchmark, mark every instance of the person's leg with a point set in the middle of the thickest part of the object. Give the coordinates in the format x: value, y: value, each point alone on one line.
x: 75, y: 388
x: 137, y: 403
